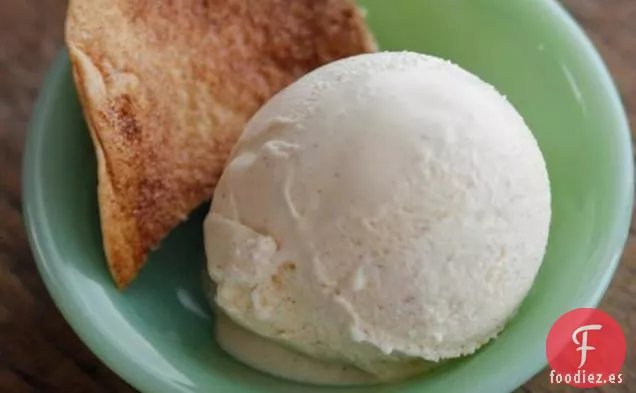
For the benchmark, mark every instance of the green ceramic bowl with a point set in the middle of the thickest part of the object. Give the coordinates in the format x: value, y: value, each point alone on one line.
x: 158, y: 334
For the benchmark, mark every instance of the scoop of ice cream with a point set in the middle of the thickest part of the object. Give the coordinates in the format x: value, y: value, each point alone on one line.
x: 383, y: 209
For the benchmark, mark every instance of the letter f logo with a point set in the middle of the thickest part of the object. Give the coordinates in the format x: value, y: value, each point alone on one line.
x: 583, y: 344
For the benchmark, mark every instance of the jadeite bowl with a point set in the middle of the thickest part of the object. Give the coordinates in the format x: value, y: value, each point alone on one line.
x: 158, y: 334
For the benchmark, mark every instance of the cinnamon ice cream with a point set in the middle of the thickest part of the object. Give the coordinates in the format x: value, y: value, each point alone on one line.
x: 385, y: 211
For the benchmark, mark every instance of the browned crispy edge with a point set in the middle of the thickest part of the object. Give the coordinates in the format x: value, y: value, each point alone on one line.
x: 119, y: 235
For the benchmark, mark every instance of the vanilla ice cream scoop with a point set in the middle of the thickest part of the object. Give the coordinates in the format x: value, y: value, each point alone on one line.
x: 385, y: 209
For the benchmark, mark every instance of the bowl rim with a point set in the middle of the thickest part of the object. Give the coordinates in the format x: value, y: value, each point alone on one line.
x: 135, y: 373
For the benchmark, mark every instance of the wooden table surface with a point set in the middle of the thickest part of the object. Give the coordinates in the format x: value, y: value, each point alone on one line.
x: 40, y: 353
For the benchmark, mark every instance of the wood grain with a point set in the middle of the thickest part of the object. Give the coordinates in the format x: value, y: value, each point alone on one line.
x: 39, y: 353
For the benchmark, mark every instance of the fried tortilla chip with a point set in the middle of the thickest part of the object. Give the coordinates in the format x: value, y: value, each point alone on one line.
x: 166, y: 87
